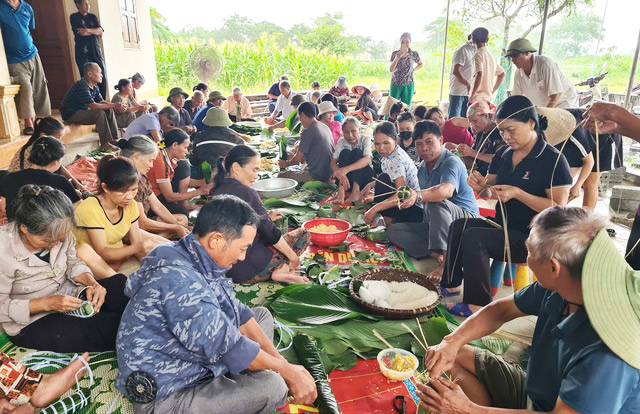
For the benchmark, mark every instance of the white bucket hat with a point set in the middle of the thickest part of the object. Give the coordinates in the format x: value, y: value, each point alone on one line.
x: 325, y: 107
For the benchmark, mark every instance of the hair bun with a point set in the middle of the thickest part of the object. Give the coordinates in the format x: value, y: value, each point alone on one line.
x: 543, y: 122
x: 121, y: 143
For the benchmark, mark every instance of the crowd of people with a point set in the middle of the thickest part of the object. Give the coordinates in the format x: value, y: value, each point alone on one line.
x: 183, y: 340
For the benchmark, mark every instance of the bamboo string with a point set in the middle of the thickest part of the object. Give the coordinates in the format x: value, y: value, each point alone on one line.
x: 383, y: 183
x: 422, y: 333
x: 370, y: 395
x: 414, y: 335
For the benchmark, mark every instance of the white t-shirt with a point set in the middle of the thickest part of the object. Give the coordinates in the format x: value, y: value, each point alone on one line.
x: 463, y: 56
x: 546, y: 79
x: 283, y: 104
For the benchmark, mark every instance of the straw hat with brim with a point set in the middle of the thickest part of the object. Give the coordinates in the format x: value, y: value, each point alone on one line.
x: 611, y: 294
x: 325, y: 107
x: 216, y: 95
x: 519, y: 46
x: 217, y: 117
x: 386, y: 106
x: 353, y: 90
x: 176, y: 91
x: 297, y: 100
x: 560, y: 124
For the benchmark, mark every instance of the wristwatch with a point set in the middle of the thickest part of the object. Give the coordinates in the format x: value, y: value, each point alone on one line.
x: 419, y: 199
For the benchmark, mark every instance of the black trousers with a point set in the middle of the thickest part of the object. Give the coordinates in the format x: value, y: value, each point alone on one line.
x: 471, y: 243
x: 182, y: 171
x: 633, y: 258
x: 363, y: 176
x: 63, y: 333
x: 95, y: 57
x: 412, y: 214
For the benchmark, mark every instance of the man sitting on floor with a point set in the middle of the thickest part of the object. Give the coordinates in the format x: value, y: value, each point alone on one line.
x: 84, y: 105
x: 186, y: 344
x: 444, y: 192
x: 585, y: 353
x: 238, y: 106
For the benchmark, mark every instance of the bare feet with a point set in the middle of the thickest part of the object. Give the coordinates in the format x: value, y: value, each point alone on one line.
x: 284, y: 274
x: 436, y: 275
x: 54, y: 385
x: 108, y: 146
x: 340, y: 197
x: 353, y: 197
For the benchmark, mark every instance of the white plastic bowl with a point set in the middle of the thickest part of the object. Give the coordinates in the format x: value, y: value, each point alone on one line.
x: 390, y: 354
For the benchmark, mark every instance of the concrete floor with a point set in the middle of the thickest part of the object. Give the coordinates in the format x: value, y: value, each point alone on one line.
x: 523, y: 327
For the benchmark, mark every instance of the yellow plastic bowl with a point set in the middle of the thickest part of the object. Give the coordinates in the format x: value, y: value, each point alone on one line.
x: 387, y: 355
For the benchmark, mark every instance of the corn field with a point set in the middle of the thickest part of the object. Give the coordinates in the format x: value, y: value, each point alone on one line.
x: 257, y: 66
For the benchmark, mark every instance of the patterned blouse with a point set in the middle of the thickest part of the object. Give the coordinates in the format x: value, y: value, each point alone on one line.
x: 403, y: 74
x: 398, y: 164
x: 144, y: 192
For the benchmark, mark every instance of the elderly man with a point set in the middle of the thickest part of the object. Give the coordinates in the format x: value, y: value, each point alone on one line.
x: 16, y: 21
x: 215, y: 98
x: 485, y: 68
x: 274, y: 92
x: 177, y: 97
x: 283, y: 104
x: 444, y: 192
x: 585, y: 356
x: 238, y: 106
x: 186, y: 344
x: 84, y: 105
x: 87, y: 32
x: 539, y: 78
x: 460, y: 78
x: 195, y: 104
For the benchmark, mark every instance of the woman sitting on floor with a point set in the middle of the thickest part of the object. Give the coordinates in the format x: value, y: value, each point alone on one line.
x: 487, y: 141
x: 44, y: 159
x: 43, y: 126
x: 326, y: 115
x: 142, y: 151
x: 42, y: 279
x: 522, y: 177
x: 106, y: 220
x: 170, y: 176
x: 272, y: 255
x: 365, y: 107
x: 454, y: 131
x: 406, y: 123
x: 351, y: 162
x: 125, y: 97
x: 398, y: 170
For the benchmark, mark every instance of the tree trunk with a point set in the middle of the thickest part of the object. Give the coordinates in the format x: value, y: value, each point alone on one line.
x: 505, y: 62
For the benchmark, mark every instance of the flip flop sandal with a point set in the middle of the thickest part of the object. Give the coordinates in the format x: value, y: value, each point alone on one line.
x: 460, y: 309
x: 446, y: 293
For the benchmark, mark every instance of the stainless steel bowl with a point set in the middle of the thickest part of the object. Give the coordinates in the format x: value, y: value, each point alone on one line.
x: 275, y: 187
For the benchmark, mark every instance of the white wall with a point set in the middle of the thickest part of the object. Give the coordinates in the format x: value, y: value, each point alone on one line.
x: 120, y: 62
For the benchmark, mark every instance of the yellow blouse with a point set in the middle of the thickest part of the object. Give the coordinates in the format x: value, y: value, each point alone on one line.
x: 91, y: 215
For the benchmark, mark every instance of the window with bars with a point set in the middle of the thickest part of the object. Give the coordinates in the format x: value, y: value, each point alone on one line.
x: 129, y: 20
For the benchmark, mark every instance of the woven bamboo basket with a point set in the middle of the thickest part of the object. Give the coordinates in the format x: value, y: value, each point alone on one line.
x: 395, y: 275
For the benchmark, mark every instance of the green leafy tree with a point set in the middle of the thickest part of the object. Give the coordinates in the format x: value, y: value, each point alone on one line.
x: 457, y: 36
x: 329, y: 35
x: 159, y: 28
x: 574, y: 36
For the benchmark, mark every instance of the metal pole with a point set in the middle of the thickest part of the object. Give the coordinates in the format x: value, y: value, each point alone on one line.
x: 633, y: 73
x: 444, y: 53
x: 595, y: 56
x: 544, y: 25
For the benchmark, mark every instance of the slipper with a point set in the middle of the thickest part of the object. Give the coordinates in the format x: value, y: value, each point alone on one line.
x: 446, y: 293
x: 460, y: 309
x: 28, y: 131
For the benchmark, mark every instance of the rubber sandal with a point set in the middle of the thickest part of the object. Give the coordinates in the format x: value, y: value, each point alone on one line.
x: 446, y: 293
x: 460, y: 309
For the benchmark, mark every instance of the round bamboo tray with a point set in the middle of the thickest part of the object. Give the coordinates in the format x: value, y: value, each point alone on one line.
x: 395, y: 275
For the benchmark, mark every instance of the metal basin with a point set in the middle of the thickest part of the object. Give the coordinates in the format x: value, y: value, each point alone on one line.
x: 275, y: 187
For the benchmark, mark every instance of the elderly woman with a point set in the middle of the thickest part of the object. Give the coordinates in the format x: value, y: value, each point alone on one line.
x: 272, y: 255
x: 142, y: 152
x: 481, y: 116
x: 351, y: 162
x: 340, y: 90
x: 527, y: 177
x: 398, y: 170
x: 125, y: 97
x: 326, y: 115
x: 402, y: 60
x: 42, y: 281
x: 137, y: 81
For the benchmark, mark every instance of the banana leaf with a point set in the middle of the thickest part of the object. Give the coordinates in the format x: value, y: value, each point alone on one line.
x: 351, y: 215
x: 206, y: 171
x: 317, y: 305
x: 358, y: 268
x: 293, y: 123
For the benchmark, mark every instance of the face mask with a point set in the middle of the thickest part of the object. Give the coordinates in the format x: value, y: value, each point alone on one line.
x: 405, y: 135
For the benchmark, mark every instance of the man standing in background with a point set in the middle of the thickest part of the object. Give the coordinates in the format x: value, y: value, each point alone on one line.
x: 461, y: 74
x: 540, y: 78
x: 87, y: 32
x: 25, y: 68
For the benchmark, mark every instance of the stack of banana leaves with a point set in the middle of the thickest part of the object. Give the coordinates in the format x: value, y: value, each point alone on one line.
x: 246, y: 129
